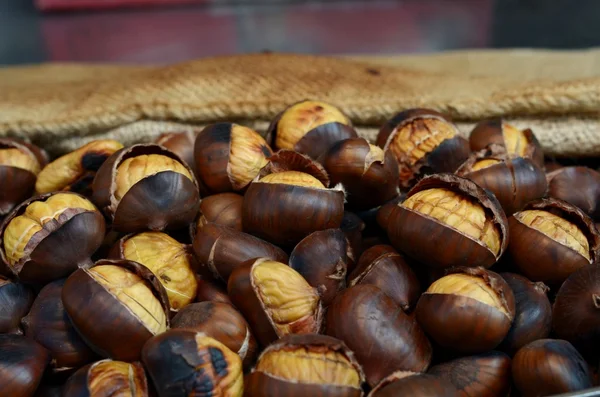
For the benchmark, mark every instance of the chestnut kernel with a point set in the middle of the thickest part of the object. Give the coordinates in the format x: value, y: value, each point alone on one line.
x: 470, y: 310
x: 211, y: 291
x: 579, y: 186
x: 406, y: 383
x: 449, y: 221
x: 549, y: 366
x: 306, y: 365
x: 224, y: 209
x: 424, y: 142
x: 22, y: 364
x: 182, y: 144
x: 15, y: 301
x: 132, y: 302
x: 107, y: 378
x: 383, y: 338
x: 275, y: 300
x: 288, y: 160
x: 191, y: 363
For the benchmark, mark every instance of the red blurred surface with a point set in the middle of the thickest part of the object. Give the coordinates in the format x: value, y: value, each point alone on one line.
x: 62, y: 5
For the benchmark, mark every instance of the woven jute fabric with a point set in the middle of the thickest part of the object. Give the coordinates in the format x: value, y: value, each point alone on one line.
x: 61, y: 106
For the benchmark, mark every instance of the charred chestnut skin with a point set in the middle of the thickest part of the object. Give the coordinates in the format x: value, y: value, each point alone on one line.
x: 486, y: 374
x: 414, y: 384
x: 22, y: 364
x: 211, y: 291
x: 383, y: 338
x: 132, y: 383
x: 223, y: 209
x: 549, y: 366
x: 533, y: 313
x: 579, y: 186
x: 15, y: 301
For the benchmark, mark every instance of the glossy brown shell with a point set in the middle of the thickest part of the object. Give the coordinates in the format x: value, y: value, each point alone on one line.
x: 118, y: 334
x: 78, y: 384
x: 182, y: 144
x: 431, y: 242
x: 22, y: 364
x: 288, y: 160
x: 579, y: 186
x: 353, y: 227
x: 211, y: 291
x: 223, y: 209
x: 415, y: 384
x: 15, y: 301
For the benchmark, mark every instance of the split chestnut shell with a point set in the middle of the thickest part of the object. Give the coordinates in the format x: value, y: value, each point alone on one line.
x: 107, y: 378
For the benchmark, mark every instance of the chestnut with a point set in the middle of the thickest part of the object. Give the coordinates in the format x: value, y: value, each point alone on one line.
x: 229, y: 156
x: 565, y: 239
x: 75, y: 171
x: 383, y: 266
x: 48, y: 324
x: 384, y: 212
x: 183, y: 362
x: 470, y: 310
x: 146, y: 187
x: 182, y: 144
x: 549, y: 366
x: 533, y: 313
x: 517, y: 143
x: 288, y: 160
x: 211, y: 291
x: 579, y: 186
x: 48, y: 236
x: 486, y: 374
x: 322, y: 259
x: 275, y: 300
x: 306, y: 365
x: 514, y: 181
x: 353, y: 227
x: 449, y: 221
x: 164, y: 256
x: 224, y: 209
x: 116, y: 306
x: 375, y: 328
x: 22, y: 364
x: 369, y: 175
x: 15, y: 301
x: 221, y: 322
x: 221, y: 250
x: 406, y: 383
x: 107, y: 378
x: 309, y: 127
x: 424, y: 142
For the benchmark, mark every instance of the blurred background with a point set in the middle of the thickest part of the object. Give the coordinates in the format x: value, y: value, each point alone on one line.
x: 165, y: 31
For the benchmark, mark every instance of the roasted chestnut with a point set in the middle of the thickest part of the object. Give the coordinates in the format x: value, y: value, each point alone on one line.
x: 146, y: 187
x: 48, y: 324
x: 107, y: 378
x: 424, y: 142
x: 47, y: 237
x: 533, y: 313
x: 221, y: 322
x: 211, y: 291
x: 288, y: 160
x: 75, y: 171
x: 180, y: 143
x: 382, y: 217
x: 353, y: 227
x: 369, y: 175
x: 549, y: 366
x: 383, y: 266
x: 275, y: 300
x: 515, y: 181
x: 579, y: 186
x: 223, y: 209
x: 565, y: 239
x: 517, y: 143
x: 164, y: 256
x: 309, y: 127
x: 406, y: 383
x: 183, y: 362
x: 229, y: 156
x: 470, y: 310
x: 221, y: 250
x: 487, y: 374
x: 15, y: 301
x: 22, y: 364
x: 375, y: 328
x: 305, y: 365
x: 116, y: 306
x: 449, y: 221
x: 322, y: 259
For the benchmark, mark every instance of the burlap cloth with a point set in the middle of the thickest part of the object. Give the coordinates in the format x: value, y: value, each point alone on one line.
x: 61, y: 106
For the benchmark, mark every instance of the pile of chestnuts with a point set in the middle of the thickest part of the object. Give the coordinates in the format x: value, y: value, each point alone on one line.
x: 303, y: 261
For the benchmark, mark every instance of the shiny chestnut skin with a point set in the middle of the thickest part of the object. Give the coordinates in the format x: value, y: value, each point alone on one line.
x: 383, y: 338
x: 322, y: 259
x: 434, y: 243
x: 211, y: 291
x: 369, y: 175
x: 424, y: 142
x: 353, y: 227
x: 57, y: 244
x: 182, y: 144
x: 119, y: 333
x: 383, y: 266
x: 221, y: 250
x: 487, y: 374
x: 470, y: 310
x: 579, y: 186
x: 164, y: 200
x: 22, y: 364
x: 552, y: 261
x: 224, y: 209
x: 549, y: 366
x: 533, y: 313
x: 15, y: 301
x: 306, y: 365
x: 405, y: 383
x: 107, y: 378
x: 289, y: 160
x: 222, y: 322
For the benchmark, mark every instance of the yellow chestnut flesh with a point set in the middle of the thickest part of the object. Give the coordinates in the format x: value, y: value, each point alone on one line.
x: 248, y: 153
x: 481, y: 164
x: 515, y: 140
x: 121, y: 377
x: 419, y: 137
x: 15, y: 158
x: 232, y: 384
x: 293, y: 178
